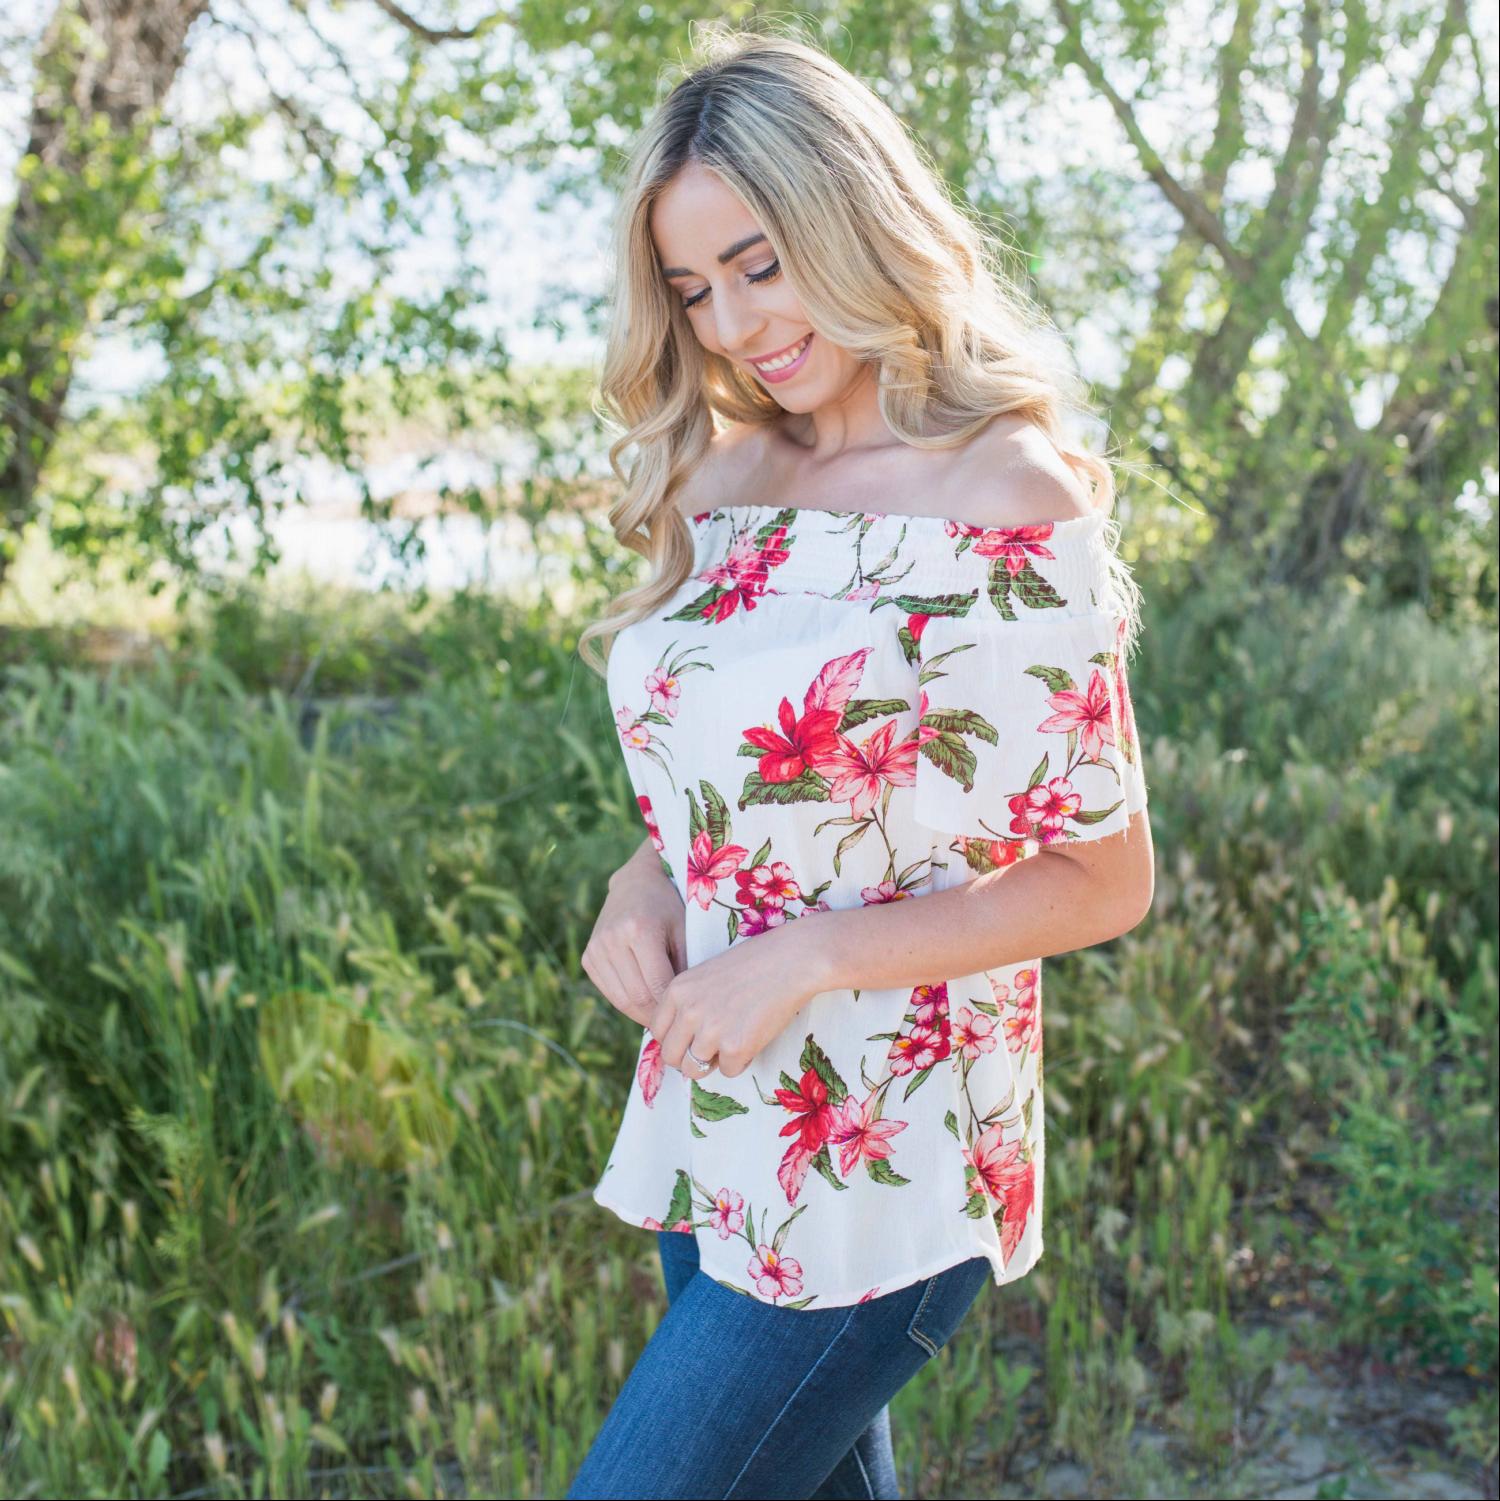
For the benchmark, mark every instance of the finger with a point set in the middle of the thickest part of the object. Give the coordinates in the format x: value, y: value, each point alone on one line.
x: 654, y: 964
x: 642, y: 994
x: 663, y: 1014
x: 606, y: 977
x: 677, y: 1038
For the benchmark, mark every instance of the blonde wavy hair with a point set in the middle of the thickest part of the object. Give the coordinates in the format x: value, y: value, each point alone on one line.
x: 885, y: 263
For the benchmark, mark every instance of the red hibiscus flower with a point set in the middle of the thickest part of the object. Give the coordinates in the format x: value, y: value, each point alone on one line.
x: 744, y: 572
x: 1013, y: 543
x: 810, y: 1103
x: 801, y: 742
x: 1004, y: 1176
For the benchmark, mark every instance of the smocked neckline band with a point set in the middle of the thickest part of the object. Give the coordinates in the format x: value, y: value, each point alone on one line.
x: 899, y: 554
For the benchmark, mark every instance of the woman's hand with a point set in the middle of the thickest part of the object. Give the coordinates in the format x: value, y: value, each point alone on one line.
x: 736, y: 1002
x: 640, y: 937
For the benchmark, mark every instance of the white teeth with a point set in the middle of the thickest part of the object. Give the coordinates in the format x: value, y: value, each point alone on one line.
x: 785, y: 360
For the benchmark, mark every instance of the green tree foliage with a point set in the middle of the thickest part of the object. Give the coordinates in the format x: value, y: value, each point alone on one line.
x: 1278, y: 219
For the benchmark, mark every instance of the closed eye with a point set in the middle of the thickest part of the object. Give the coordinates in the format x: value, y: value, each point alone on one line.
x: 766, y: 274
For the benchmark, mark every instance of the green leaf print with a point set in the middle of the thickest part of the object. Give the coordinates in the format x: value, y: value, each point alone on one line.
x: 935, y: 604
x: 779, y: 1239
x: 695, y: 815
x: 859, y: 710
x: 917, y: 1082
x: 1057, y: 679
x: 702, y: 607
x: 823, y: 1162
x: 718, y: 814
x: 882, y: 1172
x: 977, y: 1208
x: 693, y: 1127
x: 847, y: 843
x: 951, y: 1122
x: 962, y: 722
x: 760, y: 856
x: 681, y: 1207
x: 951, y: 757
x: 813, y: 1057
x: 808, y: 788
x: 708, y: 1106
x: 1033, y: 590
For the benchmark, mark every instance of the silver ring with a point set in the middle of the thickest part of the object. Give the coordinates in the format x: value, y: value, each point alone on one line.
x: 706, y: 1067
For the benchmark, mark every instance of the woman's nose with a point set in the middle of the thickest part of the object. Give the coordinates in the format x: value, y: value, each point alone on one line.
x: 738, y: 325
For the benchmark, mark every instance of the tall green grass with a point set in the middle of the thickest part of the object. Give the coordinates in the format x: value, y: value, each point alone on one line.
x: 302, y: 1089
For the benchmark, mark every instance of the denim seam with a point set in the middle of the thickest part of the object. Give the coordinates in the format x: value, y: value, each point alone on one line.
x: 916, y: 1334
x: 864, y: 1474
x: 812, y: 1371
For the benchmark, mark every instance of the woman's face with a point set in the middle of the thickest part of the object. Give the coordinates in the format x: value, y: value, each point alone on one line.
x: 725, y: 271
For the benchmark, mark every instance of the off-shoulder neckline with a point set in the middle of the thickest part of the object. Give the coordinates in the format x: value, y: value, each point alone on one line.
x: 700, y: 517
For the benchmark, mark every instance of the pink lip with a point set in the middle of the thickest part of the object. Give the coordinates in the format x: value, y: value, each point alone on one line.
x: 787, y: 371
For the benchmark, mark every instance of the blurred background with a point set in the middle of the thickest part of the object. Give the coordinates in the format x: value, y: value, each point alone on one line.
x: 307, y: 803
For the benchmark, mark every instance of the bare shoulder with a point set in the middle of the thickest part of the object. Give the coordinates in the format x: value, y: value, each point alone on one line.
x: 722, y: 471
x: 1011, y: 473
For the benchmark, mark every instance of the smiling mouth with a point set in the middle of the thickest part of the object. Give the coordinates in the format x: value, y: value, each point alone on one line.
x: 777, y: 364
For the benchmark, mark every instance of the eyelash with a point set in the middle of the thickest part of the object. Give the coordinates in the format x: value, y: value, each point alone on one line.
x: 765, y: 275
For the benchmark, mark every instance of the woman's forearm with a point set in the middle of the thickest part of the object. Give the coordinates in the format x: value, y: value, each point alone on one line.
x: 1046, y: 905
x: 645, y: 861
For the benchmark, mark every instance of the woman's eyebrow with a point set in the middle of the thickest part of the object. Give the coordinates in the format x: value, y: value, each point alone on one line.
x: 725, y: 256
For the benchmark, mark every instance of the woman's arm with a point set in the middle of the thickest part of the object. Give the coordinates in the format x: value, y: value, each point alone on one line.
x: 1060, y: 900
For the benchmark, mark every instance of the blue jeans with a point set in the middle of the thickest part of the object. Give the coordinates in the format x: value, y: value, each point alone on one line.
x: 735, y: 1397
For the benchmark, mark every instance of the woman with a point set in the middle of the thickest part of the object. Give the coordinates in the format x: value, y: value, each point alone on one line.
x: 874, y: 707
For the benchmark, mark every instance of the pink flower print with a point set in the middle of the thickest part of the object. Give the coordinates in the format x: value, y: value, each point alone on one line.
x: 867, y: 590
x: 684, y: 1226
x: 651, y: 1223
x: 1004, y: 1176
x: 755, y: 920
x: 776, y: 1276
x: 664, y: 688
x: 925, y: 732
x: 708, y: 866
x: 649, y: 817
x: 728, y: 1213
x: 916, y: 624
x: 635, y: 734
x: 649, y: 1070
x: 792, y: 1171
x: 1023, y: 1027
x: 930, y: 1004
x: 859, y: 1135
x: 902, y: 1056
x: 1041, y: 812
x: 973, y: 1033
x: 744, y: 572
x: 770, y: 885
x: 1087, y: 712
x: 918, y: 1049
x: 886, y: 891
x: 962, y: 529
x: 801, y: 742
x: 865, y: 1297
x: 858, y: 772
x: 1013, y: 543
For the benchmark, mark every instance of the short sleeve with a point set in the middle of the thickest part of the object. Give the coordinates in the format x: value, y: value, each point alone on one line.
x: 1026, y: 735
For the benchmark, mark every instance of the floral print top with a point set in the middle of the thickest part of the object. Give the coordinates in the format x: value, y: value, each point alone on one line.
x: 844, y: 708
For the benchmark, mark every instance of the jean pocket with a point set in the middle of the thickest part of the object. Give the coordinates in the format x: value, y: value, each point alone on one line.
x: 945, y: 1300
